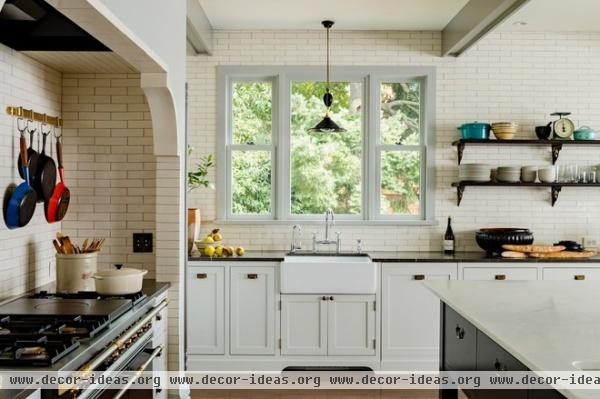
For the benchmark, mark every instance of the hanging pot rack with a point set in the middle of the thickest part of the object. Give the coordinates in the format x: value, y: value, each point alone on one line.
x: 34, y: 115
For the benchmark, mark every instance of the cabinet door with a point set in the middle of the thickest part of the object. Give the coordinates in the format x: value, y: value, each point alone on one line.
x: 252, y: 310
x: 460, y: 342
x: 304, y: 325
x: 206, y: 310
x: 411, y: 314
x: 492, y: 357
x: 500, y: 273
x: 351, y: 325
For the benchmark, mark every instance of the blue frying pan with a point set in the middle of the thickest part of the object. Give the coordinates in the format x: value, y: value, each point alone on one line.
x: 21, y: 204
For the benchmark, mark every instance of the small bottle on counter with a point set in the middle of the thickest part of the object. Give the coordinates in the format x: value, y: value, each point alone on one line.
x: 449, y: 241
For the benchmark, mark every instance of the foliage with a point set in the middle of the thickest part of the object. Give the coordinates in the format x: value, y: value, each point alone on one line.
x: 326, y: 168
x: 197, y: 178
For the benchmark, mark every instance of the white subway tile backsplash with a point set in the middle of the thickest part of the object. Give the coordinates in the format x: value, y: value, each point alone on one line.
x: 114, y: 194
x: 507, y: 76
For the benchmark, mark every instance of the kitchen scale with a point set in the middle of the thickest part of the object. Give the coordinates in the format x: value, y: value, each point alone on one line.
x: 563, y: 127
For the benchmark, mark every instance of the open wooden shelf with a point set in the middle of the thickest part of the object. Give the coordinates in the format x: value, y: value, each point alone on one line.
x: 555, y: 187
x: 556, y: 145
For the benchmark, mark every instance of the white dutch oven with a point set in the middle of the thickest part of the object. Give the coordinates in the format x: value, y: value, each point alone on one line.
x: 119, y: 281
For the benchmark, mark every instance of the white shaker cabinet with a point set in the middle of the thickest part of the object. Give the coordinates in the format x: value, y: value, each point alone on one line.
x: 504, y: 271
x: 330, y: 325
x: 411, y: 315
x: 252, y: 310
x: 570, y: 272
x: 206, y: 310
x: 304, y: 325
x: 351, y: 325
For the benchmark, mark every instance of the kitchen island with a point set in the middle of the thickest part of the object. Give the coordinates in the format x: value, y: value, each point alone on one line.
x: 519, y: 325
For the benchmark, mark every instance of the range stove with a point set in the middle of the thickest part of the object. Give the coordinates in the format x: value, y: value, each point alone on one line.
x: 41, y: 329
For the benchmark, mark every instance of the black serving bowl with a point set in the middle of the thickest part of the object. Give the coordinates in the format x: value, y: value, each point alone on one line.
x: 491, y: 240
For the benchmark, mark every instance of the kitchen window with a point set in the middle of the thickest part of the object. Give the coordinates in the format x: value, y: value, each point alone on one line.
x: 269, y: 167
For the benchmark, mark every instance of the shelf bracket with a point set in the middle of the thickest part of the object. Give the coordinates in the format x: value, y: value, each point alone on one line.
x: 460, y: 148
x: 556, y: 147
x: 460, y: 189
x: 555, y: 192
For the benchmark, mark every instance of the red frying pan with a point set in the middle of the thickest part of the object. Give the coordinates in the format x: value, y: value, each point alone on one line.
x: 56, y: 206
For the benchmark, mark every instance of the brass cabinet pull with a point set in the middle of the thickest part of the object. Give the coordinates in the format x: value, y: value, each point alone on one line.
x: 252, y: 276
x: 201, y: 275
x: 580, y: 277
x: 500, y: 277
x: 419, y: 277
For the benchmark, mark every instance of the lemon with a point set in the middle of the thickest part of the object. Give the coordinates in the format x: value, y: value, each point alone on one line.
x: 219, y: 251
x: 209, y: 250
x: 208, y: 239
x: 230, y: 251
x: 240, y: 251
x: 217, y: 236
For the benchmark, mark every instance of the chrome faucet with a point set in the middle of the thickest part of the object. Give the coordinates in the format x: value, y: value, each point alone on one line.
x: 329, y: 223
x: 328, y: 213
x: 296, y: 238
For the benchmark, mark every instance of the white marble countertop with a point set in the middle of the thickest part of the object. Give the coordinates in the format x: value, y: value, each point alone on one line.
x: 546, y: 325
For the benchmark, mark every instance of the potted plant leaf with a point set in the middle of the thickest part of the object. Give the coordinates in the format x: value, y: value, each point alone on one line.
x: 197, y: 178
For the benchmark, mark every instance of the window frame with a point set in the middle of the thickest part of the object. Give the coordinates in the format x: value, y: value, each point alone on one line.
x: 282, y: 77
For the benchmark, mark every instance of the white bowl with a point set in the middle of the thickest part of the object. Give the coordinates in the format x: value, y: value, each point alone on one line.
x: 547, y: 175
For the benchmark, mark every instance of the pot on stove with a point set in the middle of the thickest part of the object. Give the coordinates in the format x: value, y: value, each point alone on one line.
x: 119, y: 281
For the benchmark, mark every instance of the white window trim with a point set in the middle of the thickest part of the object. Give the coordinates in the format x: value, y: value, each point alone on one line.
x: 281, y: 78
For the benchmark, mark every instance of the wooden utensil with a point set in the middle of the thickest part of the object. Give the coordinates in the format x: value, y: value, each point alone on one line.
x: 68, y: 245
x: 57, y: 247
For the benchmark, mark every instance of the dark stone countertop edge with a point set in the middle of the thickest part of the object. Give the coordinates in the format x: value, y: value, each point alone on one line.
x: 397, y: 257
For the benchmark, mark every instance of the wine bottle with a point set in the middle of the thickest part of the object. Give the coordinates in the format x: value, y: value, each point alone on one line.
x: 449, y: 242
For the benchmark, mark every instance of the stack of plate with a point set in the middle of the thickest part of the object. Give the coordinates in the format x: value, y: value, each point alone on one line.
x: 479, y: 172
x: 505, y: 130
x: 508, y: 174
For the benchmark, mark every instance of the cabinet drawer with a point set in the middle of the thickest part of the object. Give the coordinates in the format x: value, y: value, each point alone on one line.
x: 460, y: 342
x: 570, y: 273
x: 500, y: 273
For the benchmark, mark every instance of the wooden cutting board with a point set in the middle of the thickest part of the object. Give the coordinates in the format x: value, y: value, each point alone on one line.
x: 565, y: 254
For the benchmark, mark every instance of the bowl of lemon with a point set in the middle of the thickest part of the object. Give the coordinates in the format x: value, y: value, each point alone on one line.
x: 212, y: 245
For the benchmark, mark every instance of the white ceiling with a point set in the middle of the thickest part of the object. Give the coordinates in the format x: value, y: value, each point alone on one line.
x: 348, y: 14
x: 556, y: 16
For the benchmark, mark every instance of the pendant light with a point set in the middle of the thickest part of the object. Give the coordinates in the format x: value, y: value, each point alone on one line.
x: 327, y: 125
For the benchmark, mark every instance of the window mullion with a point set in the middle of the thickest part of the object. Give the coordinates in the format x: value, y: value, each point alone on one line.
x: 283, y: 159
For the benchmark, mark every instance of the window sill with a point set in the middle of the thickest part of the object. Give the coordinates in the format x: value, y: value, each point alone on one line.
x: 337, y: 222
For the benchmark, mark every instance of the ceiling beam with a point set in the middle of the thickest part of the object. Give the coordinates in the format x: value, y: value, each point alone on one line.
x: 199, y: 29
x: 476, y: 19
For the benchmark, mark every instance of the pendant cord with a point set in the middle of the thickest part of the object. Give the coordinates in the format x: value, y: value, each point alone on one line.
x: 327, y: 59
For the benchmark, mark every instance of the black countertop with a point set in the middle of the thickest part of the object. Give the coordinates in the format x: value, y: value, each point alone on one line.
x: 391, y: 256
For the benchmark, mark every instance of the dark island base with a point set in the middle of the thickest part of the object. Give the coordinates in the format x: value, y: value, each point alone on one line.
x: 465, y: 348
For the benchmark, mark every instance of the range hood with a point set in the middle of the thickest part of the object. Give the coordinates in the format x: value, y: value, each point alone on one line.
x: 34, y: 25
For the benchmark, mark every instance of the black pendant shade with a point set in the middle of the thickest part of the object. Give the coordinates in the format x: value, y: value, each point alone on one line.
x: 327, y: 125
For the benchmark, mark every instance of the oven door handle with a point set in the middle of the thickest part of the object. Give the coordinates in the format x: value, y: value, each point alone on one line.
x: 119, y: 342
x: 155, y: 353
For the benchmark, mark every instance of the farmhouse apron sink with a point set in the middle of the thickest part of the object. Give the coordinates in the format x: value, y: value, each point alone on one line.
x: 328, y: 274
